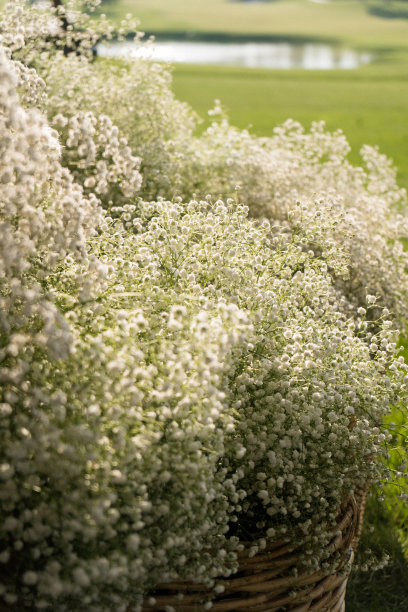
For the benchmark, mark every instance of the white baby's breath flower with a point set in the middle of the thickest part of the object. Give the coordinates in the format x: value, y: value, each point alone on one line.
x: 184, y: 376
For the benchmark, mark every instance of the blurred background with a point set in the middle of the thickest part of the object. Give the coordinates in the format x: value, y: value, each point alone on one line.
x: 341, y: 61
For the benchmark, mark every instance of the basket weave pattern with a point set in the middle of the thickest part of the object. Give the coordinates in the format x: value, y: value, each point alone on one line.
x: 266, y: 582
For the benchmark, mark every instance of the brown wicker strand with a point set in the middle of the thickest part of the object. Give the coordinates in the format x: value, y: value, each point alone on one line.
x: 268, y: 582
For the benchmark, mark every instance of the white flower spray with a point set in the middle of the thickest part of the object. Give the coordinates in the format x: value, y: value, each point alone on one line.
x: 176, y: 376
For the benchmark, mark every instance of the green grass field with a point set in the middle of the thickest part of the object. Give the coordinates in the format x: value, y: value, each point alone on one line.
x: 347, y: 21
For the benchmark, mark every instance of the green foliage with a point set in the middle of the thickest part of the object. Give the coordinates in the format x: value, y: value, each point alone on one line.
x: 385, y: 589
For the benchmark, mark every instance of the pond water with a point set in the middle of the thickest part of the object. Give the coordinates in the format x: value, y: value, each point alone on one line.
x: 249, y: 54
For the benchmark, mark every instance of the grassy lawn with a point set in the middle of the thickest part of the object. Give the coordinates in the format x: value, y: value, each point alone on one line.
x: 347, y: 21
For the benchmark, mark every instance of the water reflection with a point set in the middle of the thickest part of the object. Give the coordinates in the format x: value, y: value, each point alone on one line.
x: 250, y: 54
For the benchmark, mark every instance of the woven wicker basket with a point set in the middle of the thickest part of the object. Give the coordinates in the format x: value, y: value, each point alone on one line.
x: 265, y: 583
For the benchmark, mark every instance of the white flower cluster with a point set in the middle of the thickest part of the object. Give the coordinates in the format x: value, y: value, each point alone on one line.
x: 175, y: 375
x: 31, y: 87
x: 139, y: 100
x: 44, y: 216
x: 272, y: 174
x: 98, y: 157
x: 33, y: 29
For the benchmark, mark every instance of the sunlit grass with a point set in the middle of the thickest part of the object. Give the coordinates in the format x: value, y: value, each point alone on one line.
x: 349, y: 21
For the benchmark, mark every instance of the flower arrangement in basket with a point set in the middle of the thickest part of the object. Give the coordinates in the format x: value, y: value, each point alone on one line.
x: 191, y: 402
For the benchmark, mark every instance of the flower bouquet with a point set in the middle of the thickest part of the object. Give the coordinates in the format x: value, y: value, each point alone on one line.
x: 188, y: 398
